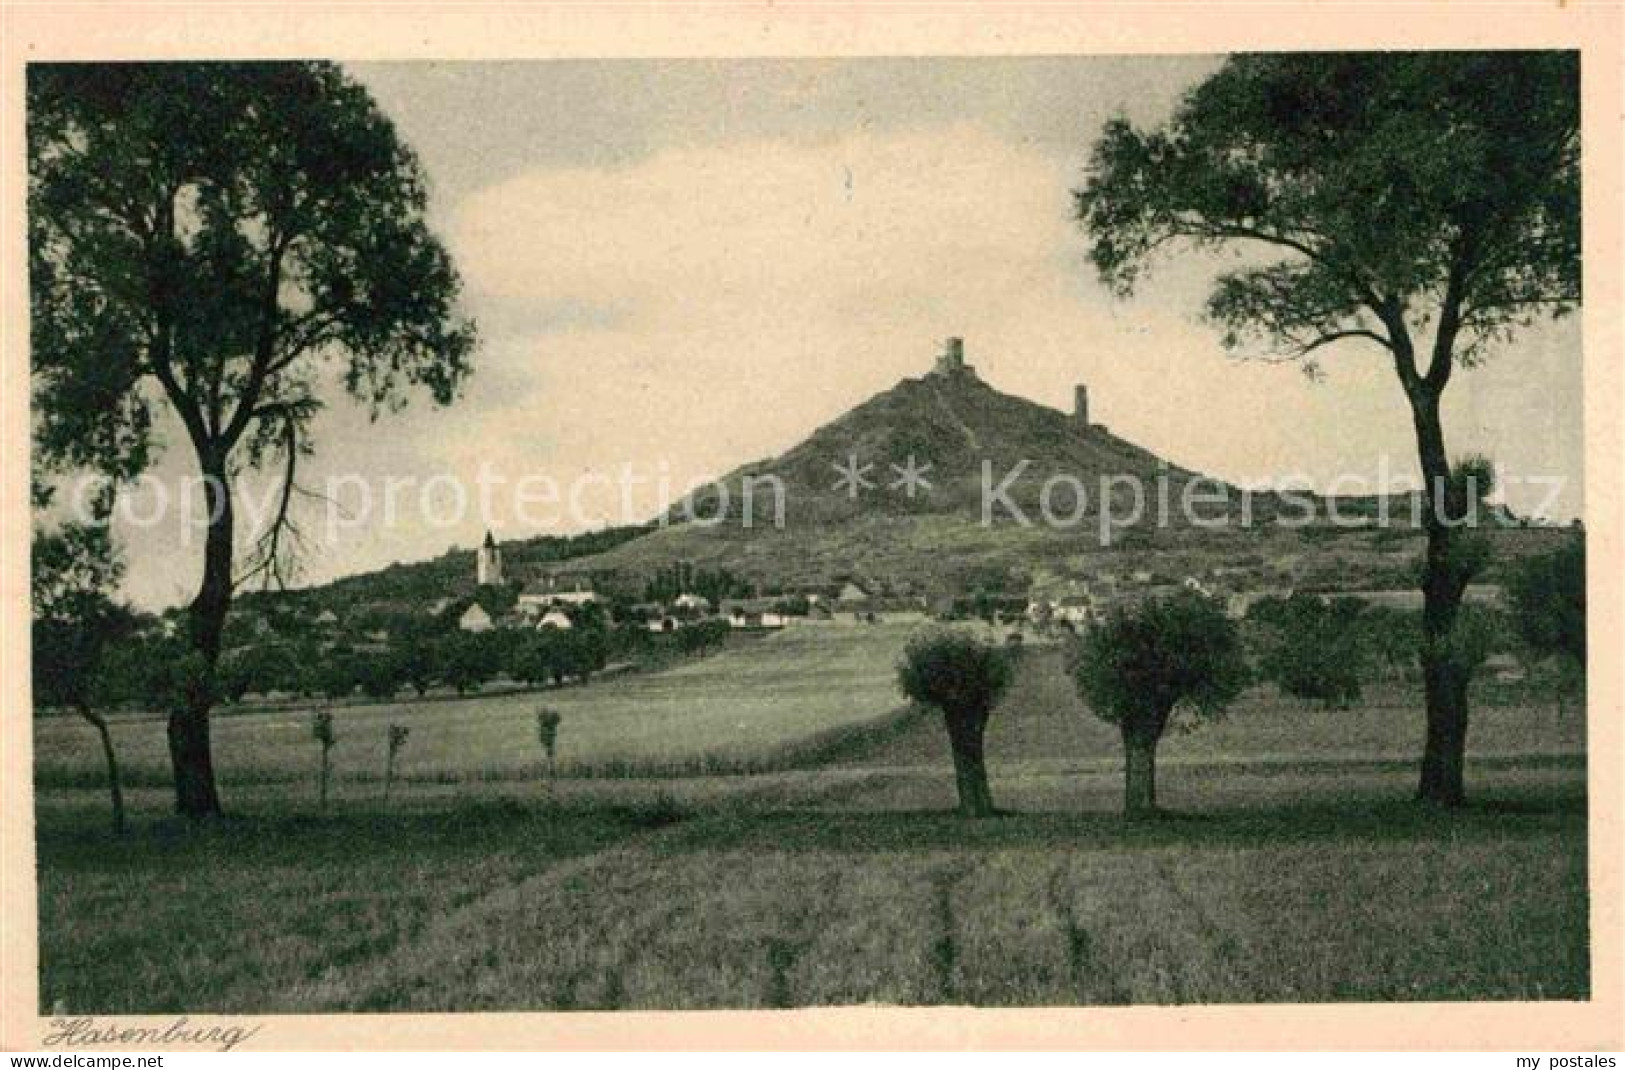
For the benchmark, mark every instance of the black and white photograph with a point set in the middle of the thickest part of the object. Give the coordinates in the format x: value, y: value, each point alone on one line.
x: 716, y: 533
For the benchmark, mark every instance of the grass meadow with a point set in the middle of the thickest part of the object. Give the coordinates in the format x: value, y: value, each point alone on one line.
x: 768, y: 871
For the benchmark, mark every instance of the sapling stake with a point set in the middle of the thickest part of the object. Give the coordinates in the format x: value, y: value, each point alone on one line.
x: 322, y: 728
x: 547, y: 731
x: 397, y: 740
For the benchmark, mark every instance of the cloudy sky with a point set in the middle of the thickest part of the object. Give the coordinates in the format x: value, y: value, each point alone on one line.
x: 681, y: 266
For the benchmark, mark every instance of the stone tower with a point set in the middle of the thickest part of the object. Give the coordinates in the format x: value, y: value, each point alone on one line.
x: 1080, y: 406
x: 951, y: 361
x: 488, y: 563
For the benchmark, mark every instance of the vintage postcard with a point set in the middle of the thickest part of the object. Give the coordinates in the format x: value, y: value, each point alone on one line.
x: 1065, y: 527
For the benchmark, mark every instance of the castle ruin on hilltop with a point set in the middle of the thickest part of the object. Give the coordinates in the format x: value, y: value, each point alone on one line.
x: 951, y: 365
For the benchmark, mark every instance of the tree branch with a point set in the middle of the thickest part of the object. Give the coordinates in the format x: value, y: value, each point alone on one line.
x: 1252, y: 233
x: 1337, y: 336
x: 1393, y: 317
x: 268, y: 554
x: 265, y: 345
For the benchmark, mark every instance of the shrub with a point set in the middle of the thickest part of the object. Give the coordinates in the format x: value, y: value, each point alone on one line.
x: 1317, y: 650
x: 702, y: 637
x: 1548, y: 597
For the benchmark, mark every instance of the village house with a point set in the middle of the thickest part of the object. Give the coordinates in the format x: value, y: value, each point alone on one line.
x: 248, y: 622
x: 1239, y: 603
x: 475, y: 619
x: 753, y: 613
x: 852, y: 596
x: 1410, y: 598
x: 539, y: 596
x: 1074, y: 609
x: 555, y: 618
x: 818, y: 613
x: 1505, y: 669
x: 1072, y: 602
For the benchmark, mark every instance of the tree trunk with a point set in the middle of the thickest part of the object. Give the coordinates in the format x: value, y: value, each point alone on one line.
x: 189, y: 748
x: 965, y: 735
x: 1444, y: 755
x: 323, y: 792
x: 1139, y: 775
x: 115, y: 787
x: 192, y: 758
x: 1444, y: 680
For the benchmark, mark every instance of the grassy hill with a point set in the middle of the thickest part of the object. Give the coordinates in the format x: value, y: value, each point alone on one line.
x: 451, y: 575
x: 951, y: 426
x: 805, y: 524
x: 944, y: 536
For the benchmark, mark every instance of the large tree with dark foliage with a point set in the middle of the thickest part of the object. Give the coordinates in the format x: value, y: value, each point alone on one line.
x: 225, y: 241
x: 1423, y: 204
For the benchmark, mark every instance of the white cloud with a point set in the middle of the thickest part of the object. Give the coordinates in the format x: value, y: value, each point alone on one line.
x: 767, y: 286
x: 707, y: 306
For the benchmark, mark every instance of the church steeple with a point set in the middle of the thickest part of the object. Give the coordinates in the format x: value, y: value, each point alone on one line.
x: 488, y: 562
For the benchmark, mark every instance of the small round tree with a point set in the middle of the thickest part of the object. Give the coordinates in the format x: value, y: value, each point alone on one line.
x: 1143, y: 664
x: 1317, y: 650
x: 378, y: 674
x: 1548, y: 595
x: 963, y: 677
x: 532, y: 661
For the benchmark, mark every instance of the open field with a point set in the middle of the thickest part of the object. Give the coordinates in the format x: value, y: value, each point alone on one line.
x: 767, y: 703
x: 1042, y: 718
x: 1291, y: 868
x: 789, y: 896
x: 908, y: 908
x: 763, y: 702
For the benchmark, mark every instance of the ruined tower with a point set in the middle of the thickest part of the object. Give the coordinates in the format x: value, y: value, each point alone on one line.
x: 951, y: 361
x: 1080, y: 406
